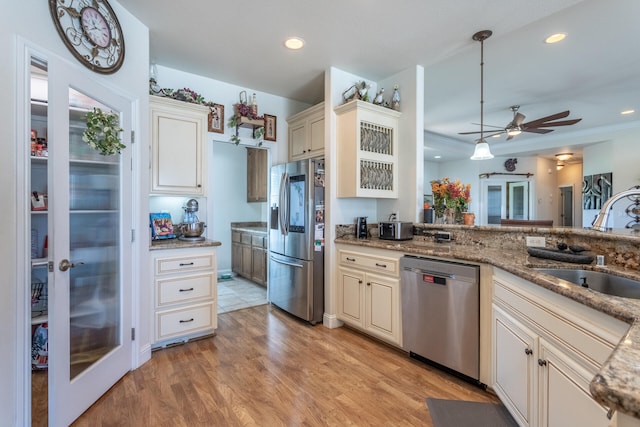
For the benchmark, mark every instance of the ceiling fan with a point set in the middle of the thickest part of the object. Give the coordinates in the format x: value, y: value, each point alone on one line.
x: 516, y: 126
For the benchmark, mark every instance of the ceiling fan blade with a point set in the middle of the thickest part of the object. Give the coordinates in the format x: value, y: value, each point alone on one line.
x: 559, y: 123
x: 535, y: 123
x: 537, y: 130
x: 468, y: 133
x: 518, y: 119
x: 488, y: 135
x: 490, y: 126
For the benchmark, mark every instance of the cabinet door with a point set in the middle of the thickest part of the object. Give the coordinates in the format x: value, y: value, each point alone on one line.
x: 297, y: 140
x: 514, y: 356
x: 259, y: 265
x: 246, y: 265
x: 351, y: 296
x: 382, y: 305
x: 564, y: 391
x: 316, y: 136
x: 178, y: 131
x: 236, y: 258
x: 257, y: 172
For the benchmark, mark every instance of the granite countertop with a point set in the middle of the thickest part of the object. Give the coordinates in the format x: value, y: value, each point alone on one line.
x: 617, y: 384
x: 182, y: 244
x: 250, y: 227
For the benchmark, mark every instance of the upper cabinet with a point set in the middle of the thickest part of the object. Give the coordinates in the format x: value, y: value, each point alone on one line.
x: 178, y: 154
x: 306, y: 133
x: 367, y: 154
x: 257, y: 174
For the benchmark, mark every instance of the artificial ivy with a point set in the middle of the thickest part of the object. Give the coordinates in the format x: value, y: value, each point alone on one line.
x: 103, y: 132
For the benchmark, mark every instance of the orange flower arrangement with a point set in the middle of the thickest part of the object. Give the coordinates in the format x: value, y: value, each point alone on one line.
x: 452, y: 195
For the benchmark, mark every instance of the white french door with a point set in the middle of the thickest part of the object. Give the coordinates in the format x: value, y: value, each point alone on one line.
x: 89, y: 253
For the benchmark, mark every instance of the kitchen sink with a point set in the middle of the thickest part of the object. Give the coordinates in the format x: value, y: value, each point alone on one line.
x: 598, y: 281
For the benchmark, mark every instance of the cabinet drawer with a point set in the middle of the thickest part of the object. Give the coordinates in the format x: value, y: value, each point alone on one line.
x: 184, y: 321
x: 258, y: 241
x: 186, y: 263
x: 235, y: 236
x: 176, y: 290
x: 245, y: 238
x: 369, y: 262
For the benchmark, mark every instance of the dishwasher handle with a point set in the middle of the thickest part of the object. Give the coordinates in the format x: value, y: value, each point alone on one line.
x: 430, y: 273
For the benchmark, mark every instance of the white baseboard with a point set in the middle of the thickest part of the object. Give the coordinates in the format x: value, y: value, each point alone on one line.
x: 331, y: 321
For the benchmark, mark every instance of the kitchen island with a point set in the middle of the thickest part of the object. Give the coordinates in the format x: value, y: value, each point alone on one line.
x: 617, y: 384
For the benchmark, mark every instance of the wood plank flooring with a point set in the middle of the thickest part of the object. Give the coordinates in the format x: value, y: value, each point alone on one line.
x: 266, y: 368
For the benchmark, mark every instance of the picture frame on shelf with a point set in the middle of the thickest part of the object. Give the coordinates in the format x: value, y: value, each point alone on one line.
x: 216, y: 118
x: 269, y: 127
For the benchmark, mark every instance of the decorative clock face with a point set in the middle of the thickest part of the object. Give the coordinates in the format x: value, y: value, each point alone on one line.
x: 91, y: 31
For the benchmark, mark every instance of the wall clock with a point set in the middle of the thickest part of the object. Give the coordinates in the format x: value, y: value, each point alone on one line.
x: 91, y: 31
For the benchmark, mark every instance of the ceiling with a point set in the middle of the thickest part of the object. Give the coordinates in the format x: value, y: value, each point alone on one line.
x: 594, y: 72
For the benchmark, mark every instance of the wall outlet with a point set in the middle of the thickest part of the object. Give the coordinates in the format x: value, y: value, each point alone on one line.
x: 539, y: 242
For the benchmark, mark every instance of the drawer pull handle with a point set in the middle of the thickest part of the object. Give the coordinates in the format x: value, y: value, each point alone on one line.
x: 528, y: 351
x: 351, y: 259
x: 185, y: 264
x: 381, y: 265
x: 187, y: 321
x: 186, y: 290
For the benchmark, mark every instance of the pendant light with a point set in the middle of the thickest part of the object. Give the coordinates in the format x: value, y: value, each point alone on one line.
x: 482, y: 151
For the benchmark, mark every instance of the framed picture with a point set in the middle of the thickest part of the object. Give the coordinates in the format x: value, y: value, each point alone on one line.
x: 216, y: 118
x: 269, y: 127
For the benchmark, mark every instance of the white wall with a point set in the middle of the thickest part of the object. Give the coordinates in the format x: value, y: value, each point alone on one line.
x: 30, y: 21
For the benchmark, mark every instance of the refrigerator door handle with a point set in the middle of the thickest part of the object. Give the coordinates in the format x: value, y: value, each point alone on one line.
x: 291, y: 264
x: 283, y: 207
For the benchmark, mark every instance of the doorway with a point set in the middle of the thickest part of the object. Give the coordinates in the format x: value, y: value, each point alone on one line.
x: 566, y: 206
x: 502, y: 198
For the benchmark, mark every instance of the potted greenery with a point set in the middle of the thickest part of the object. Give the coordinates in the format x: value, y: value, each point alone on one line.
x: 103, y: 132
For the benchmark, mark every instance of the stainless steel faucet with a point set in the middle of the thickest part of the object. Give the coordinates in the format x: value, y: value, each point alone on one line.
x: 600, y: 223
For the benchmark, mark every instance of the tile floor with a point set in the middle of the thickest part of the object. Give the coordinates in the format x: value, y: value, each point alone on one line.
x: 239, y: 293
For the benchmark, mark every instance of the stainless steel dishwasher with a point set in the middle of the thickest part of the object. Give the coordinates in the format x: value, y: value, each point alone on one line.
x: 441, y: 313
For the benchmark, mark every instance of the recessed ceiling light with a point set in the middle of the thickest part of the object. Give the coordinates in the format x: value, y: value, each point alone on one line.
x: 555, y: 38
x: 625, y: 112
x: 294, y: 43
x: 437, y: 157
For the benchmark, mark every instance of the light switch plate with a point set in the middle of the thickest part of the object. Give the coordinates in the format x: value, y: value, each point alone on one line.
x: 539, y: 242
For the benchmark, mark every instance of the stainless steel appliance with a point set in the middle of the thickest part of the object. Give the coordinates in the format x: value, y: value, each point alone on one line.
x: 441, y: 313
x: 191, y: 228
x: 395, y: 230
x: 296, y: 238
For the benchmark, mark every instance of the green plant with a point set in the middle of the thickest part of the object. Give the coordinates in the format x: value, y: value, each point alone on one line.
x: 103, y: 132
x: 243, y: 110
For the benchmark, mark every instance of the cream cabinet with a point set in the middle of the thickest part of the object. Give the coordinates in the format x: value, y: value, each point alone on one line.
x: 369, y: 294
x: 546, y: 350
x: 306, y: 133
x: 367, y: 155
x: 185, y: 288
x: 178, y: 150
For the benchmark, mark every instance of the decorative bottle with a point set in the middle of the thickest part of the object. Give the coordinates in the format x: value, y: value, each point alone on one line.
x: 254, y: 107
x: 395, y: 99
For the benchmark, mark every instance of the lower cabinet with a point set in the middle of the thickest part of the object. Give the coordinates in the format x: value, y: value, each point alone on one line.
x: 185, y: 306
x: 249, y: 255
x: 369, y: 294
x: 546, y: 350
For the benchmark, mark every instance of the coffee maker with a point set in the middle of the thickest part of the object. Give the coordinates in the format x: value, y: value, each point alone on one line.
x: 361, y: 227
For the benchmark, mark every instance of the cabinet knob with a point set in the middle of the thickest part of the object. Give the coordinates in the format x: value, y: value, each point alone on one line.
x: 199, y: 185
x: 542, y: 362
x: 528, y: 351
x: 368, y: 283
x: 360, y: 282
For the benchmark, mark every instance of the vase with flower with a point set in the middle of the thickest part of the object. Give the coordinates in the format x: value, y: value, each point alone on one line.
x: 451, y: 199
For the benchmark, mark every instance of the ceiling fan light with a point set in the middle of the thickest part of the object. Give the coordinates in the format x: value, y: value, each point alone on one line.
x: 514, y: 131
x: 482, y: 151
x: 564, y: 156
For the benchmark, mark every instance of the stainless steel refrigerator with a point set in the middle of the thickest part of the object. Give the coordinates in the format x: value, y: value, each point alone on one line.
x: 296, y: 238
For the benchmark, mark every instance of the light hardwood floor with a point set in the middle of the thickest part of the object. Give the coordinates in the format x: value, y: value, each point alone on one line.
x: 265, y: 368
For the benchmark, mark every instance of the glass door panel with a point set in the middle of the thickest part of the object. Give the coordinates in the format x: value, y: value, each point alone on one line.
x: 94, y: 219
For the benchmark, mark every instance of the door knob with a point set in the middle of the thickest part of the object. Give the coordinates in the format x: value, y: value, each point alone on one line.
x: 65, y: 264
